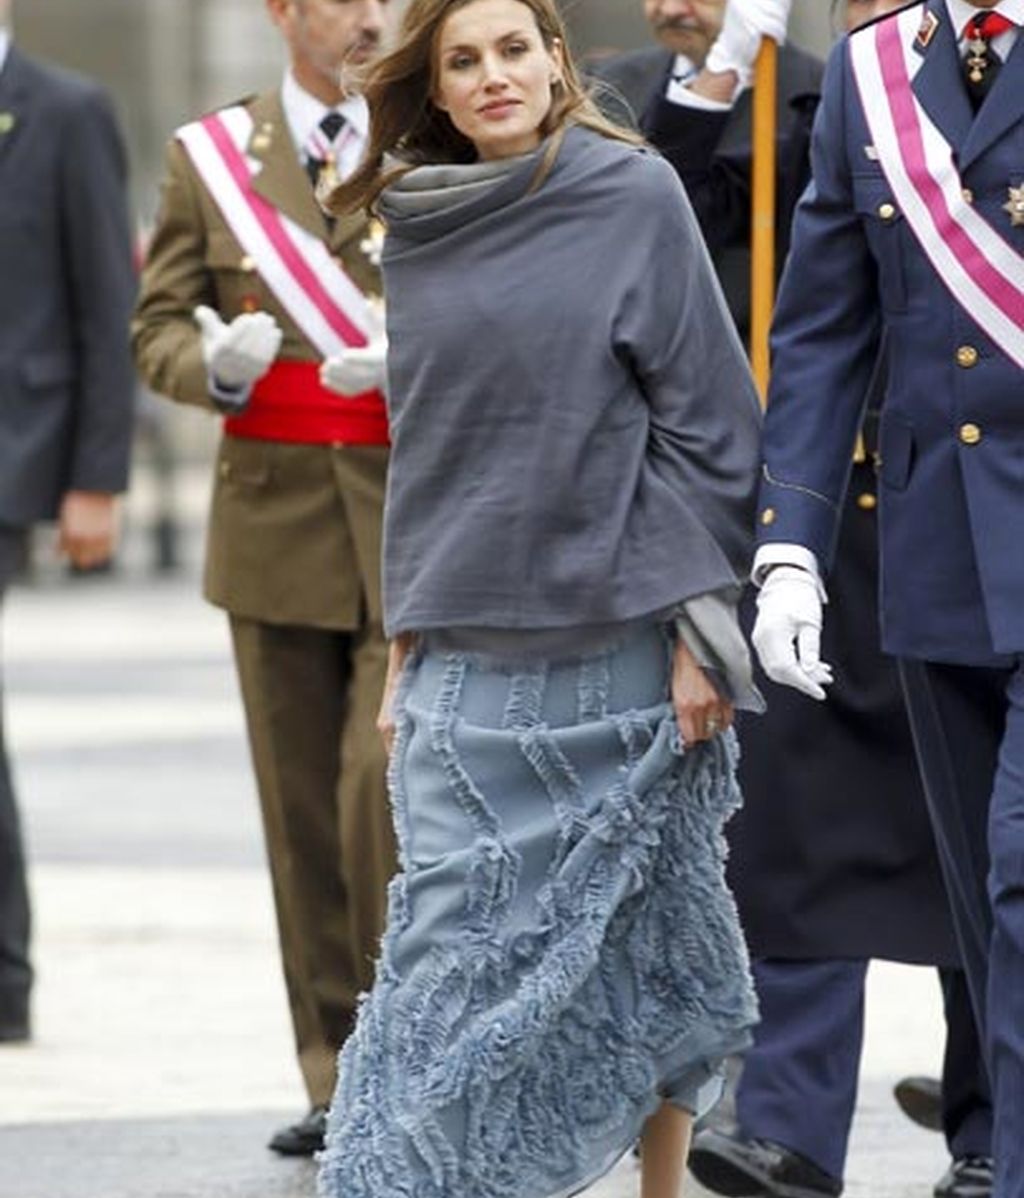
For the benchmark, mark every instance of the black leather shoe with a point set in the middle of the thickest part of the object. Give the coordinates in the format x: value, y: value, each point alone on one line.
x: 731, y: 1165
x: 302, y: 1138
x: 968, y: 1177
x: 920, y: 1099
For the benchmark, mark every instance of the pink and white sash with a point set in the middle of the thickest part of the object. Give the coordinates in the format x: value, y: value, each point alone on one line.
x: 295, y: 264
x: 981, y: 270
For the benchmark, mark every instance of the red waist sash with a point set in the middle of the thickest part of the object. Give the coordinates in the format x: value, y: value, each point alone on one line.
x: 289, y: 404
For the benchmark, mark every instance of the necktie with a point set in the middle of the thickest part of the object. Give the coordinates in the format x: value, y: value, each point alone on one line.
x: 320, y: 145
x: 982, y: 64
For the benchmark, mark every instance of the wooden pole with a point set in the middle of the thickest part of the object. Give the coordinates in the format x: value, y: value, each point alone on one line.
x: 762, y: 234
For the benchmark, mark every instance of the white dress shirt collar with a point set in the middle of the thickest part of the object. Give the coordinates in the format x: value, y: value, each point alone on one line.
x: 304, y: 112
x: 960, y: 12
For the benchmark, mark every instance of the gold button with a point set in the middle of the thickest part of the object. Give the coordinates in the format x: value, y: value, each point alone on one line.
x: 768, y: 516
x: 247, y: 264
x: 968, y: 195
x: 967, y: 356
x: 970, y: 434
x: 887, y: 211
x: 867, y: 502
x: 225, y: 469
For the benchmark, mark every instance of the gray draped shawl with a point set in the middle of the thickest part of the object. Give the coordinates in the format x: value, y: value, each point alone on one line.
x: 574, y: 427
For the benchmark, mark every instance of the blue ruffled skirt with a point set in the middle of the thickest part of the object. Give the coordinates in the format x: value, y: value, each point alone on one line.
x: 562, y: 952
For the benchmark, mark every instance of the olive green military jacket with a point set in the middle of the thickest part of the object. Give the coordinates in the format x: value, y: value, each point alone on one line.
x: 294, y: 535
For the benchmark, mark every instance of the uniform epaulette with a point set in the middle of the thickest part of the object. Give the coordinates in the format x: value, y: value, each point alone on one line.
x: 242, y: 102
x: 886, y: 16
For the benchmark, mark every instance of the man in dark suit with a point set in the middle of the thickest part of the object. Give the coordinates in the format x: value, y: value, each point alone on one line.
x: 699, y: 113
x: 66, y: 378
x: 913, y: 231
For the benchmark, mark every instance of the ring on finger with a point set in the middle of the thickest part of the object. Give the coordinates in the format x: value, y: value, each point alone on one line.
x: 712, y: 726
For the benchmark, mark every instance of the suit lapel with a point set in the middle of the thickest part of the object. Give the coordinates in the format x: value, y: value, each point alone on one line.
x: 1003, y: 107
x: 648, y: 93
x: 939, y: 84
x: 15, y: 102
x: 280, y: 179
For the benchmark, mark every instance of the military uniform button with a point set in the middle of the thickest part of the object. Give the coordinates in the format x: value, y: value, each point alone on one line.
x: 248, y: 264
x: 225, y: 469
x: 768, y: 516
x: 970, y: 434
x: 867, y: 502
x: 887, y: 211
x: 968, y: 195
x: 967, y: 356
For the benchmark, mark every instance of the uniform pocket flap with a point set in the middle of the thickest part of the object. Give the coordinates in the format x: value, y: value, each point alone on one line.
x: 47, y: 370
x: 872, y: 196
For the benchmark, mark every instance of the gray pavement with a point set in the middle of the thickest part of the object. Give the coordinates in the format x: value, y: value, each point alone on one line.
x: 162, y: 1058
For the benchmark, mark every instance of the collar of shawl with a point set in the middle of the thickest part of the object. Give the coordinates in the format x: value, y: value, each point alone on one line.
x: 431, y: 201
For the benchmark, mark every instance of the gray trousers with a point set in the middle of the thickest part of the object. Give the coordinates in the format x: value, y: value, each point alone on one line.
x: 15, y: 971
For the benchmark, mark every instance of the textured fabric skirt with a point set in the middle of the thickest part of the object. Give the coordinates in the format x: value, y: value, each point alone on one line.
x: 561, y: 952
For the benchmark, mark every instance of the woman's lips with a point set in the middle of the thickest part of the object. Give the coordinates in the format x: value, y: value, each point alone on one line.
x: 499, y: 109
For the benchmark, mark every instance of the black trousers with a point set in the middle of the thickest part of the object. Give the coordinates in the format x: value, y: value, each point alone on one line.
x: 15, y: 970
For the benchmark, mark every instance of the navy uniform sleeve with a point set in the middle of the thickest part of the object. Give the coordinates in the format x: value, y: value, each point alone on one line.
x: 101, y: 291
x: 825, y: 341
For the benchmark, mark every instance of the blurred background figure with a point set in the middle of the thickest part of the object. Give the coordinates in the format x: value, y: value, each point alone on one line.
x: 293, y: 554
x: 835, y: 863
x: 700, y: 118
x: 66, y: 378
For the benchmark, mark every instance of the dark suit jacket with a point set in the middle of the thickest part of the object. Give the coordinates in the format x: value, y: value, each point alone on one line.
x: 67, y: 285
x: 712, y: 153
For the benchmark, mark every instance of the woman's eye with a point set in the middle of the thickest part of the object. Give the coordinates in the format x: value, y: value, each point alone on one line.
x: 460, y: 62
x: 516, y: 49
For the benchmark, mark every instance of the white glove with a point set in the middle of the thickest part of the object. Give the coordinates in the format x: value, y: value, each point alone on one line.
x: 356, y: 370
x: 239, y: 353
x: 787, y: 632
x: 746, y: 23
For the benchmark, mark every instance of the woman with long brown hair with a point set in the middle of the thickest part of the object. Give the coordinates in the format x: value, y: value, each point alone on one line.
x: 575, y: 443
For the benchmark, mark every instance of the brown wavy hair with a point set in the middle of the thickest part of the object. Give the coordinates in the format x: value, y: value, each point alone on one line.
x: 405, y: 122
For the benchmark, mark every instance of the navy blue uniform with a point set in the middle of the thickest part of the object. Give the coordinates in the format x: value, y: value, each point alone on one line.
x: 951, y: 493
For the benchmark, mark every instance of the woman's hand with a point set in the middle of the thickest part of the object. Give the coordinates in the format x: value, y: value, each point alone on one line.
x: 398, y: 650
x: 700, y: 710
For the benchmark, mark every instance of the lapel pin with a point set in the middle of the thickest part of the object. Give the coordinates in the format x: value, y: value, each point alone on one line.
x: 871, y: 153
x: 7, y: 122
x: 929, y: 23
x: 1015, y: 206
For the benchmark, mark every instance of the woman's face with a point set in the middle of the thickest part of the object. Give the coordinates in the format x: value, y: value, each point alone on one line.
x: 493, y: 76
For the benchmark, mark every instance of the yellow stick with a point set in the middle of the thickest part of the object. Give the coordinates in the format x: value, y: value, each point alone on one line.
x: 762, y: 233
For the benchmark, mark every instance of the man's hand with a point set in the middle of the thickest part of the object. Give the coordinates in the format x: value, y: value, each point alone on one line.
x: 746, y: 23
x: 357, y: 370
x: 239, y: 353
x: 88, y: 528
x: 787, y: 633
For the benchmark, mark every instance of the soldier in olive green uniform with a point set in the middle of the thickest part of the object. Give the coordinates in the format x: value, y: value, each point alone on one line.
x: 294, y: 538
